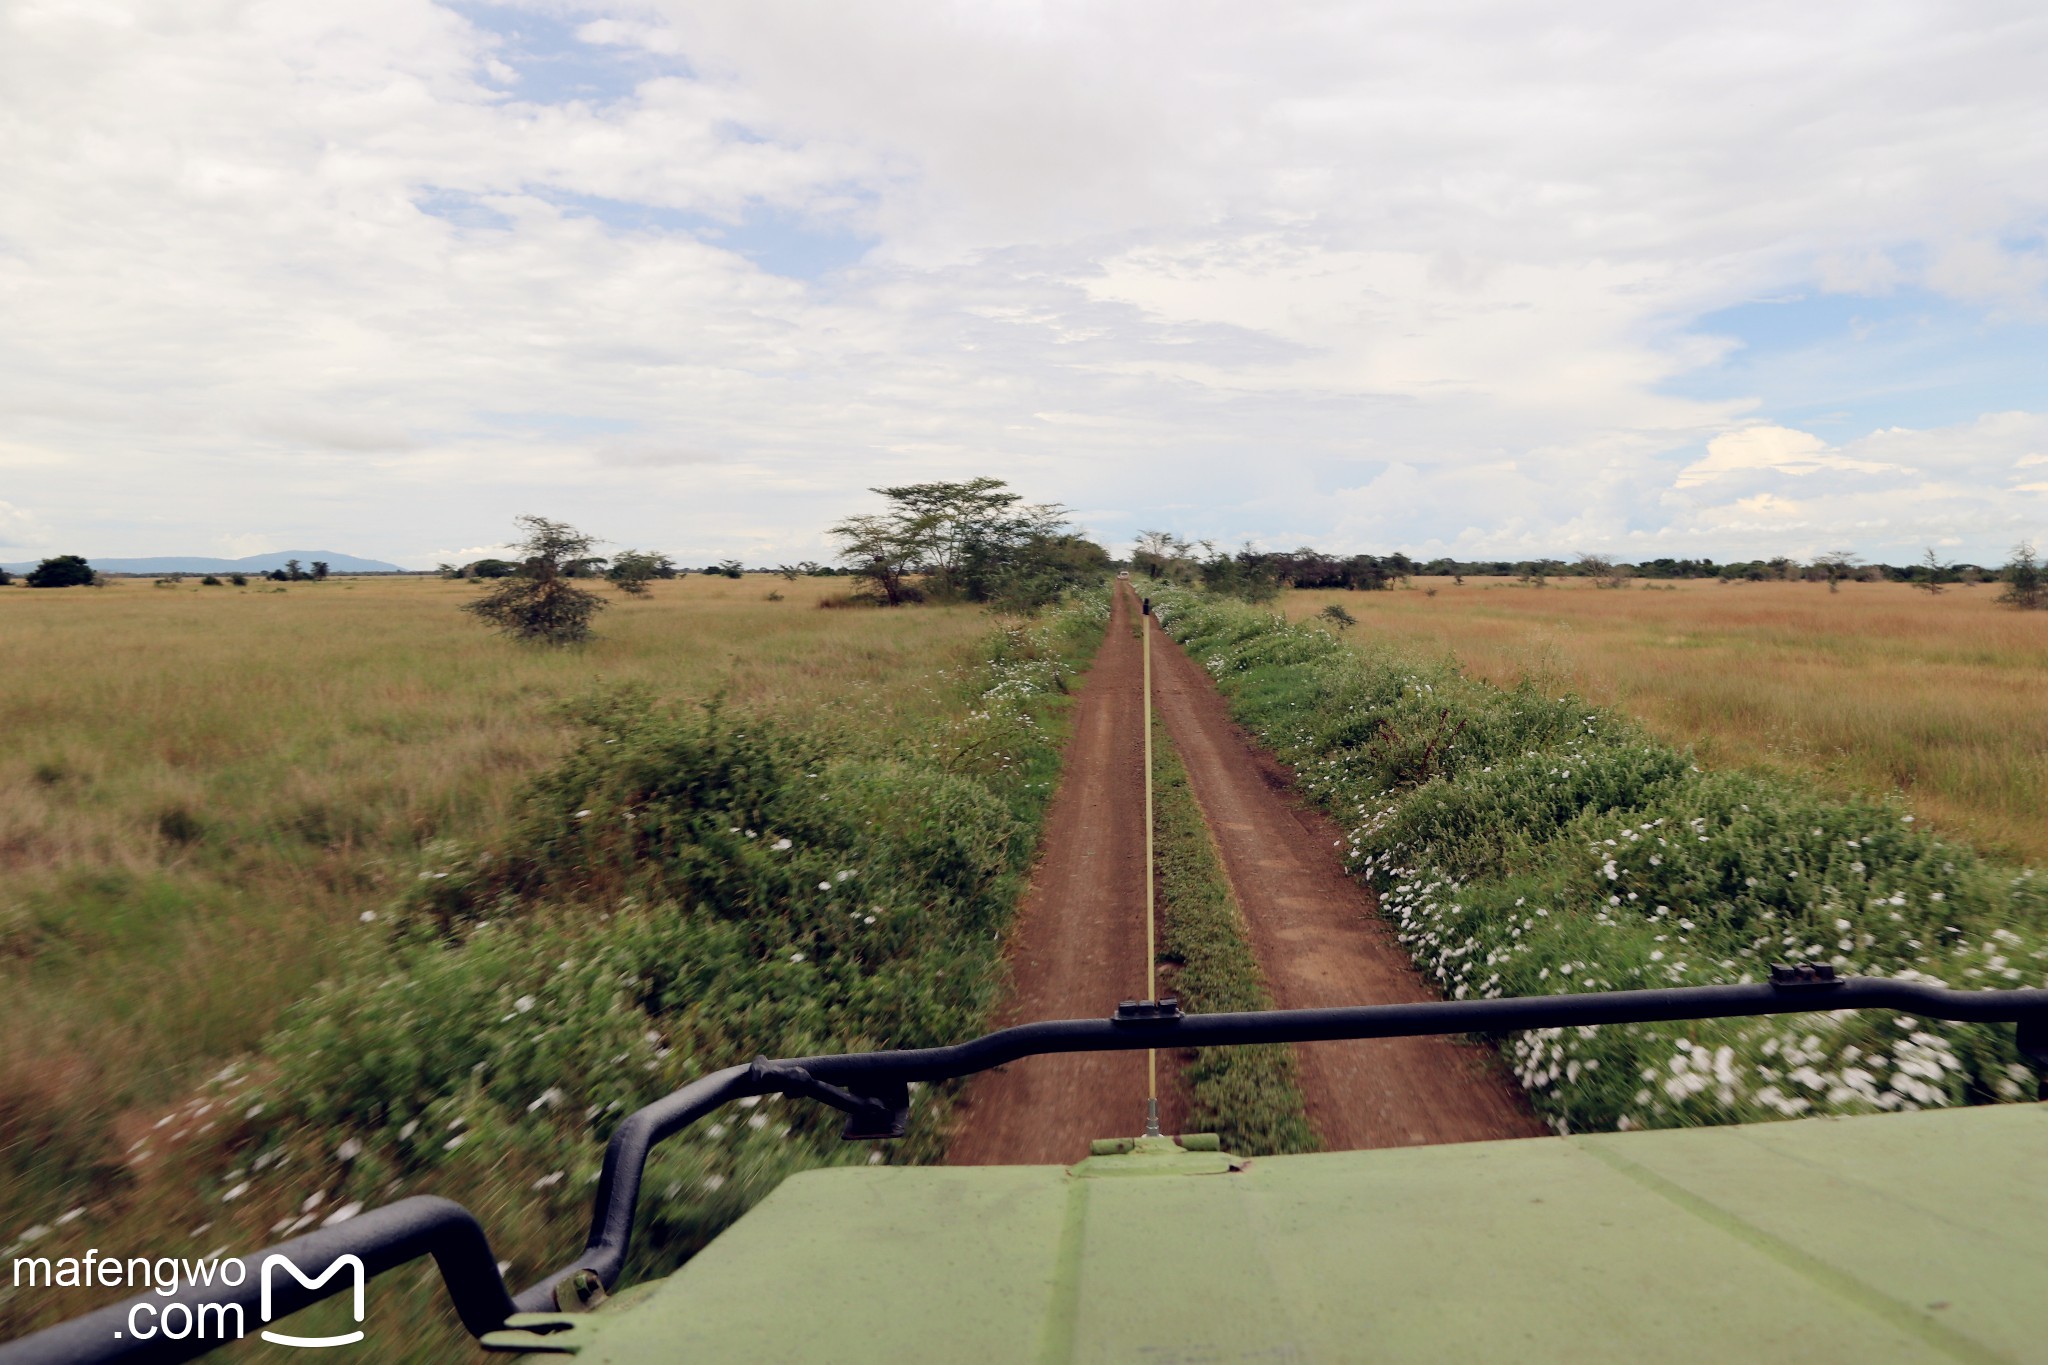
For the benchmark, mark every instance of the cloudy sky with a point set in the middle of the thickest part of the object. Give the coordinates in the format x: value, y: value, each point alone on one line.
x: 1474, y: 277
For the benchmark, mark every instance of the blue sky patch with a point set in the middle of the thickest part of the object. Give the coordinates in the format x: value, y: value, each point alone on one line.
x: 557, y: 67
x: 1841, y: 366
x: 780, y: 241
x: 461, y: 208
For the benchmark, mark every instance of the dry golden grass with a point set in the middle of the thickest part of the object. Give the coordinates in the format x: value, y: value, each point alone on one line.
x: 1878, y: 688
x: 202, y: 790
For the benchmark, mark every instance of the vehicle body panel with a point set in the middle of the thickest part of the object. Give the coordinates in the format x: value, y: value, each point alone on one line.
x: 1891, y: 1237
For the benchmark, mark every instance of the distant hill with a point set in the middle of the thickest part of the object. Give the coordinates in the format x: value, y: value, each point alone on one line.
x: 336, y: 563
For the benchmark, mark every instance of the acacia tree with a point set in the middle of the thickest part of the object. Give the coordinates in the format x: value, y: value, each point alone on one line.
x: 972, y: 539
x: 1933, y: 574
x: 1838, y: 565
x: 633, y: 570
x: 882, y: 550
x: 2023, y: 586
x: 539, y: 603
x: 1162, y: 554
x: 1604, y: 572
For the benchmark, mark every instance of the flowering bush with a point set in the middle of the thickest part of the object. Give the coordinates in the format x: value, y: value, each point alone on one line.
x: 1524, y: 844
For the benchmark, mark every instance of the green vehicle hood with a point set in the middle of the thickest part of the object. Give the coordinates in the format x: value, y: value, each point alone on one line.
x: 1894, y: 1237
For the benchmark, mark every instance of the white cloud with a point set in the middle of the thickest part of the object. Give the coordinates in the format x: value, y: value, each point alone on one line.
x: 1777, y: 449
x: 1414, y: 273
x: 20, y: 527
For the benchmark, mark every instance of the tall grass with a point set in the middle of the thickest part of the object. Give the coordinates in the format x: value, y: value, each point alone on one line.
x: 1877, y: 688
x: 204, y: 792
x: 1525, y: 842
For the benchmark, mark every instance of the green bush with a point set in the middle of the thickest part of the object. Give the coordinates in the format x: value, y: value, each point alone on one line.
x: 684, y: 891
x: 1524, y: 844
x: 62, y: 571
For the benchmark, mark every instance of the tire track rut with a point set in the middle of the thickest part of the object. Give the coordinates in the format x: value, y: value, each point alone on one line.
x: 1078, y: 945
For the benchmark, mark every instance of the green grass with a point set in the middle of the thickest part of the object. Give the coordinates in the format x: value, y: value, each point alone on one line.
x: 1879, y: 687
x: 1524, y: 842
x: 688, y: 886
x: 202, y: 790
x: 1250, y: 1097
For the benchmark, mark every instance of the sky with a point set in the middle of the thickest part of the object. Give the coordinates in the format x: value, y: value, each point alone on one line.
x: 1465, y: 277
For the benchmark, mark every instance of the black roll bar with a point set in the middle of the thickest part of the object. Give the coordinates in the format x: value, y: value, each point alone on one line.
x: 872, y: 1088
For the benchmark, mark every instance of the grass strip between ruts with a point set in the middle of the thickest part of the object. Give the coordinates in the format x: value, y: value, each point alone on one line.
x: 1250, y: 1097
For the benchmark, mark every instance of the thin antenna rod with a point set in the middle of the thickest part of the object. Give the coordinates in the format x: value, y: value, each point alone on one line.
x: 1151, y: 929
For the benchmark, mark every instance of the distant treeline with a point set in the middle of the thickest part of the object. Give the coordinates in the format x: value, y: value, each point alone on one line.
x: 1259, y: 574
x: 598, y: 566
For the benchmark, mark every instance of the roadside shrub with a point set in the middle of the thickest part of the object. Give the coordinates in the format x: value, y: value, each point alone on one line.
x: 1524, y: 844
x: 685, y: 890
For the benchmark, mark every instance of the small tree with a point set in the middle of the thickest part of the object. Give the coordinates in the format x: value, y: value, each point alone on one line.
x: 2023, y: 587
x: 1604, y: 572
x: 1338, y: 617
x: 731, y: 568
x: 540, y: 604
x: 884, y: 551
x: 62, y: 571
x: 5, y: 577
x: 1162, y: 554
x: 1837, y: 565
x: 319, y: 570
x: 240, y: 580
x: 1933, y: 574
x: 633, y: 570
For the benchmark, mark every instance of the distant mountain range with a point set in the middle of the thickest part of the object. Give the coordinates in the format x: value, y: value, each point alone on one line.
x: 336, y: 563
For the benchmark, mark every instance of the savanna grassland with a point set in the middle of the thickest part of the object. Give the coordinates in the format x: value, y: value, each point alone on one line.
x: 1877, y: 688
x: 310, y: 881
x: 1524, y: 840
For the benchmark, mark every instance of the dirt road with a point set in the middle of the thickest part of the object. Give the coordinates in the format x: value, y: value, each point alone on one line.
x: 1320, y: 941
x: 1078, y: 947
x: 1079, y: 943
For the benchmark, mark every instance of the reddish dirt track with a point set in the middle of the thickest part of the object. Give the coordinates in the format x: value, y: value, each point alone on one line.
x: 1319, y: 939
x: 1079, y: 944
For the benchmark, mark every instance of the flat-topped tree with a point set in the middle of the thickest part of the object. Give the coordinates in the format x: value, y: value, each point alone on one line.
x: 973, y: 539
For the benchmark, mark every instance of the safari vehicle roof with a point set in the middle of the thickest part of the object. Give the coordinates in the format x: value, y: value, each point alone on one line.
x: 1893, y: 1237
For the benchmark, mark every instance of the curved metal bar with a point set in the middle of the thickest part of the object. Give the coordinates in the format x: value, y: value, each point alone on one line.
x: 618, y: 1186
x: 381, y: 1239
x: 1509, y: 1015
x: 424, y: 1225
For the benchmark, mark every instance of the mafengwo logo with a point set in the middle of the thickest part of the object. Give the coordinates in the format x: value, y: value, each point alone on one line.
x: 351, y: 1263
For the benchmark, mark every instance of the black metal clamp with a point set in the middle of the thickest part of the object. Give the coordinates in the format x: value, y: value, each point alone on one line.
x: 1805, y: 974
x: 1163, y: 1011
x: 876, y: 1113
